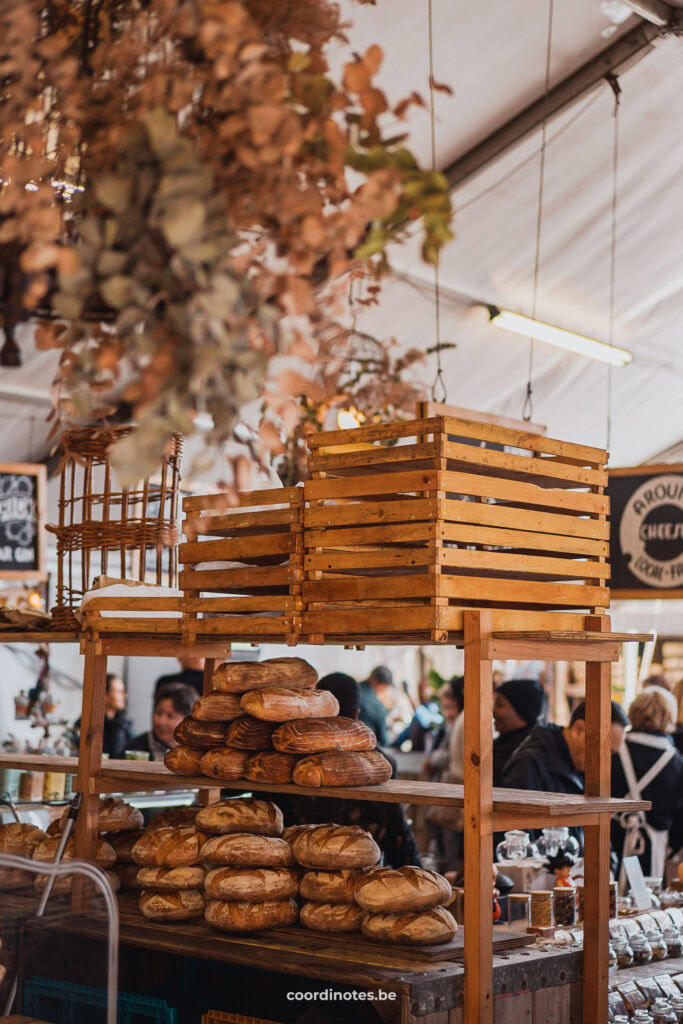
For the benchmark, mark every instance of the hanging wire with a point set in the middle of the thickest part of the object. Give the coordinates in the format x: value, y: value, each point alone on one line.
x: 528, y: 407
x: 439, y: 381
x: 613, y: 82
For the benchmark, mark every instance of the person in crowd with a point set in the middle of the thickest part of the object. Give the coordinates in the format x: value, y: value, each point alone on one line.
x: 191, y: 673
x: 648, y: 767
x: 426, y: 719
x: 517, y: 706
x: 444, y: 753
x: 118, y: 728
x: 172, y: 703
x: 372, y: 711
x: 658, y: 678
x: 678, y: 731
x: 386, y: 822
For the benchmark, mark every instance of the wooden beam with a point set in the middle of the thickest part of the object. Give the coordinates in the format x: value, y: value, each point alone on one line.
x: 89, y: 762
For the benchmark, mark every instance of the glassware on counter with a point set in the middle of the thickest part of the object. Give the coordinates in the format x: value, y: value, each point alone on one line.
x: 555, y: 839
x: 623, y: 951
x: 565, y: 905
x: 31, y: 786
x: 674, y: 941
x: 642, y: 950
x: 542, y: 914
x: 515, y: 846
x: 662, y: 1012
x: 612, y: 961
x: 677, y: 1007
x: 613, y: 899
x: 658, y: 945
x: 519, y: 910
x: 53, y: 786
x: 641, y: 1017
x: 21, y: 705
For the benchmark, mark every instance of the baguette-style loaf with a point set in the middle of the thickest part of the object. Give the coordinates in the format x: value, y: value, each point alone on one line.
x: 172, y: 906
x: 241, y: 814
x: 253, y: 885
x: 271, y: 767
x: 217, y: 707
x: 331, y: 917
x: 123, y: 843
x: 242, y: 850
x: 239, y: 916
x: 403, y: 890
x: 224, y: 763
x: 315, y: 735
x: 200, y: 735
x: 174, y: 817
x: 105, y: 857
x: 183, y: 760
x: 331, y: 886
x: 20, y: 839
x: 241, y: 676
x: 171, y: 879
x: 113, y: 815
x: 429, y: 927
x: 169, y: 847
x: 349, y: 768
x: 281, y: 705
x: 247, y: 733
x: 335, y: 846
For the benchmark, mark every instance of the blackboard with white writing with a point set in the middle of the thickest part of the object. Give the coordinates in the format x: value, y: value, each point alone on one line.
x: 22, y: 487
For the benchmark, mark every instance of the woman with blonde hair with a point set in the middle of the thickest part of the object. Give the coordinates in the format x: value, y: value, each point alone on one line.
x: 648, y: 767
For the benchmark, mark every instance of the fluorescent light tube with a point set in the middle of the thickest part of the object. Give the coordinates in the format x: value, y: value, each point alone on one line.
x: 524, y: 325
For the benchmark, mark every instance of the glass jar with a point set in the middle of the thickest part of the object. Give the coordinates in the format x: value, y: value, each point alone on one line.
x: 542, y: 915
x: 658, y: 945
x: 662, y: 1012
x: 565, y: 905
x: 613, y: 899
x: 674, y: 941
x: 623, y: 951
x: 612, y: 959
x: 642, y: 950
x: 519, y: 910
x: 641, y: 1017
x: 555, y: 839
x: 515, y: 846
x: 677, y: 1007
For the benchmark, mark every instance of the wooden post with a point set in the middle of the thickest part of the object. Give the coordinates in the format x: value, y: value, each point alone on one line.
x: 597, y: 837
x: 89, y: 762
x: 478, y: 823
x: 208, y: 796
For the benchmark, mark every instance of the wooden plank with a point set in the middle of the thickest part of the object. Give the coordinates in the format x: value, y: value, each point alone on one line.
x: 647, y: 594
x: 240, y: 579
x: 357, y: 588
x: 89, y: 762
x: 478, y: 809
x: 232, y: 548
x: 39, y: 763
x: 161, y: 646
x: 132, y: 604
x: 394, y: 533
x: 550, y: 467
x: 387, y: 557
x: 512, y: 1009
x: 374, y: 456
x: 521, y: 650
x: 371, y: 512
x: 551, y: 1005
x: 521, y: 592
x: 649, y: 469
x: 521, y: 492
x: 426, y: 409
x: 241, y: 521
x: 541, y: 565
x: 520, y: 539
x: 523, y: 439
x: 13, y: 636
x: 232, y: 626
x: 486, y: 514
x: 378, y: 483
x: 258, y: 603
x: 269, y: 496
x: 376, y: 432
x: 586, y: 636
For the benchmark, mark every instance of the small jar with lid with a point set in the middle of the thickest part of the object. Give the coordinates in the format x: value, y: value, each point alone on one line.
x: 542, y: 915
x: 658, y: 945
x: 623, y: 951
x: 565, y: 906
x: 674, y: 941
x: 677, y: 1007
x: 612, y: 959
x: 642, y: 950
x: 662, y: 1012
x: 641, y: 1017
x: 519, y: 910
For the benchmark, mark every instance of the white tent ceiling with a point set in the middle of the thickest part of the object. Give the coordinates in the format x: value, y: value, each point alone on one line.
x: 493, y: 56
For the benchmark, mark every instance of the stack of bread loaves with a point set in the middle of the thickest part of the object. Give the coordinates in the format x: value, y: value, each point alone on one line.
x: 20, y: 840
x: 170, y: 872
x: 405, y: 906
x: 250, y: 702
x: 251, y: 883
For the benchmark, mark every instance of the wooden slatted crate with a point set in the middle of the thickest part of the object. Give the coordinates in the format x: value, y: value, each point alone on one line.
x: 429, y: 517
x: 132, y: 616
x: 257, y: 592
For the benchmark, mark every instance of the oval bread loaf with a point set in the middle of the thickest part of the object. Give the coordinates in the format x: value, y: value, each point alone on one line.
x: 217, y: 707
x: 407, y: 889
x: 253, y: 885
x: 350, y: 768
x: 331, y: 886
x: 237, y: 916
x: 113, y: 815
x: 241, y: 676
x: 169, y: 847
x: 171, y: 879
x: 183, y: 760
x: 429, y: 927
x: 242, y: 850
x: 123, y: 843
x: 281, y: 705
x: 271, y: 767
x: 224, y: 763
x: 248, y: 733
x: 105, y: 857
x: 331, y: 917
x: 335, y: 846
x: 20, y: 839
x: 315, y: 735
x: 174, y: 817
x: 200, y: 735
x: 241, y: 814
x: 292, y: 831
x: 172, y: 906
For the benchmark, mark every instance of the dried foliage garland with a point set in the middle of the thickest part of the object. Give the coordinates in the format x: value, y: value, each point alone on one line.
x: 177, y: 196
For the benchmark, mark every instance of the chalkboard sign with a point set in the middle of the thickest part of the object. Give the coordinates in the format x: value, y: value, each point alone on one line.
x: 22, y: 521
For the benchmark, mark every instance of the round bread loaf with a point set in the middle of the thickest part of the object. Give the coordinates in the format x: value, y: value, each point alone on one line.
x: 174, y: 817
x: 172, y: 906
x: 237, y: 916
x: 292, y: 831
x: 350, y: 768
x: 253, y: 885
x: 335, y: 846
x: 331, y: 886
x: 241, y: 814
x: 13, y: 878
x: 271, y: 767
x: 200, y: 735
x: 315, y: 735
x: 331, y: 917
x: 113, y: 815
x: 45, y: 850
x: 20, y: 839
x: 429, y: 927
x: 128, y: 875
x: 183, y: 760
x: 247, y: 733
x: 241, y: 676
x: 242, y: 850
x: 224, y: 763
x: 123, y: 843
x: 169, y: 847
x: 403, y: 890
x: 281, y: 705
x: 217, y: 707
x: 171, y: 879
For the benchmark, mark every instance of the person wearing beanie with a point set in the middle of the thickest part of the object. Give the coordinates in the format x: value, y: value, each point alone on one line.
x: 517, y: 706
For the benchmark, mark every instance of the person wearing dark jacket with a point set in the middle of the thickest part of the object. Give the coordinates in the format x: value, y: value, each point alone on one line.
x: 171, y: 704
x: 118, y: 728
x: 648, y: 767
x: 552, y: 758
x: 517, y: 706
x: 372, y: 712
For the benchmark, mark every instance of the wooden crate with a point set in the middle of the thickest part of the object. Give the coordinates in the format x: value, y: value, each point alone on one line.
x: 133, y: 616
x: 429, y: 517
x: 259, y: 596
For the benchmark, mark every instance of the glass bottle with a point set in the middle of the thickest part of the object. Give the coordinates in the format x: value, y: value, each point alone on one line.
x: 674, y: 941
x: 659, y: 947
x: 642, y: 950
x: 623, y: 951
x: 677, y: 1007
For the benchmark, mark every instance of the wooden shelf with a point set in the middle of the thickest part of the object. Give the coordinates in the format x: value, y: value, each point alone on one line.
x: 38, y: 637
x: 39, y: 763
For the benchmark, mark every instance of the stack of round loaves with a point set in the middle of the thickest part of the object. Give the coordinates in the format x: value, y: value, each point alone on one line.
x: 251, y: 882
x: 170, y: 872
x: 266, y: 722
x: 338, y: 856
x: 405, y: 906
x: 20, y: 840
